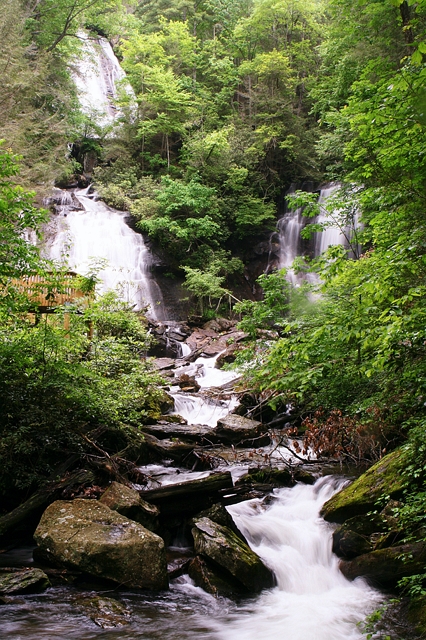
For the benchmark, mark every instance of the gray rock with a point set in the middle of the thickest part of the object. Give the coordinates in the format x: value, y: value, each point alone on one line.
x: 385, y: 567
x: 220, y: 545
x: 220, y: 515
x: 228, y: 356
x: 87, y: 535
x: 23, y: 581
x: 236, y: 429
x: 162, y: 364
x: 207, y: 577
x: 129, y: 504
x: 360, y: 497
x: 193, y: 432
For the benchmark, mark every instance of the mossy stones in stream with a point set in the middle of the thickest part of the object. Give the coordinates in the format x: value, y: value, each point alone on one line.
x: 383, y: 568
x: 222, y: 547
x: 22, y: 581
x: 106, y: 613
x: 382, y: 479
x: 88, y: 536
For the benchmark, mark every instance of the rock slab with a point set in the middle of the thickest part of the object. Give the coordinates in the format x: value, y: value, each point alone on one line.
x: 383, y: 478
x: 129, y: 504
x: 87, y: 535
x: 233, y: 428
x: 23, y: 581
x: 221, y: 546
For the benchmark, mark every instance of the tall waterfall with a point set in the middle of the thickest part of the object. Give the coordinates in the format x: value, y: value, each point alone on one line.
x: 98, y: 75
x: 86, y: 232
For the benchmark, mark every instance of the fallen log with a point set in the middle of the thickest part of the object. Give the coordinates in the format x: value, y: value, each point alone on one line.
x: 24, y: 518
x: 189, y: 497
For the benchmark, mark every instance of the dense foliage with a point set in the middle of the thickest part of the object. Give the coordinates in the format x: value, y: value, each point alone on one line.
x: 75, y: 382
x: 233, y: 102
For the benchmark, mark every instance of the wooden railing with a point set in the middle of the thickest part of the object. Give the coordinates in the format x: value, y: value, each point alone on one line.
x: 46, y: 296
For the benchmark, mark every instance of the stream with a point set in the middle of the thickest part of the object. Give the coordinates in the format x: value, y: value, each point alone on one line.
x: 311, y: 601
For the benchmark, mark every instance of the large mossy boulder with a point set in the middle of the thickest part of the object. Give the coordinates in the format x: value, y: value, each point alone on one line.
x: 385, y: 567
x: 129, y: 504
x: 88, y: 536
x: 218, y: 513
x: 382, y: 479
x: 222, y: 547
x: 354, y: 537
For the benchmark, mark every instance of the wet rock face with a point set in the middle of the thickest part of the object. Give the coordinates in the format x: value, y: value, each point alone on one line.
x: 87, y: 535
x: 385, y: 567
x: 23, y: 581
x: 383, y: 478
x: 221, y: 546
x: 128, y: 503
x: 220, y: 515
x: 106, y: 613
x: 238, y: 430
x: 207, y: 577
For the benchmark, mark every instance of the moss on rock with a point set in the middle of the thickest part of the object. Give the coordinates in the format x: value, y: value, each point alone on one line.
x: 382, y: 479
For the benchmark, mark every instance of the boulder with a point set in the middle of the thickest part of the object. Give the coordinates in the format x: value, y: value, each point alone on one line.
x: 238, y: 430
x: 23, y: 581
x: 190, y: 496
x: 175, y: 449
x: 360, y: 497
x: 188, y: 383
x: 129, y: 504
x: 220, y: 515
x: 348, y: 544
x: 385, y: 567
x: 222, y: 547
x: 88, y: 536
x: 163, y: 364
x: 276, y: 477
x: 228, y: 356
x: 353, y: 538
x: 194, y: 432
x: 207, y: 577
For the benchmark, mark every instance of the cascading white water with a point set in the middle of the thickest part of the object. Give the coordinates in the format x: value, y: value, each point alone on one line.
x: 289, y: 230
x: 332, y: 234
x: 81, y: 238
x: 202, y: 409
x: 312, y: 599
x: 99, y: 233
x: 97, y: 74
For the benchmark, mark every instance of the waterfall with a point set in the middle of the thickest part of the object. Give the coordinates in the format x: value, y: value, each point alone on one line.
x: 95, y: 233
x: 97, y: 75
x: 289, y: 230
x: 312, y: 598
x: 86, y: 232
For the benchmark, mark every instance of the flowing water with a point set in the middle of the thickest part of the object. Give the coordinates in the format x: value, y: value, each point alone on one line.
x: 290, y: 227
x: 312, y: 599
x: 98, y: 77
x: 204, y: 408
x: 99, y: 235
